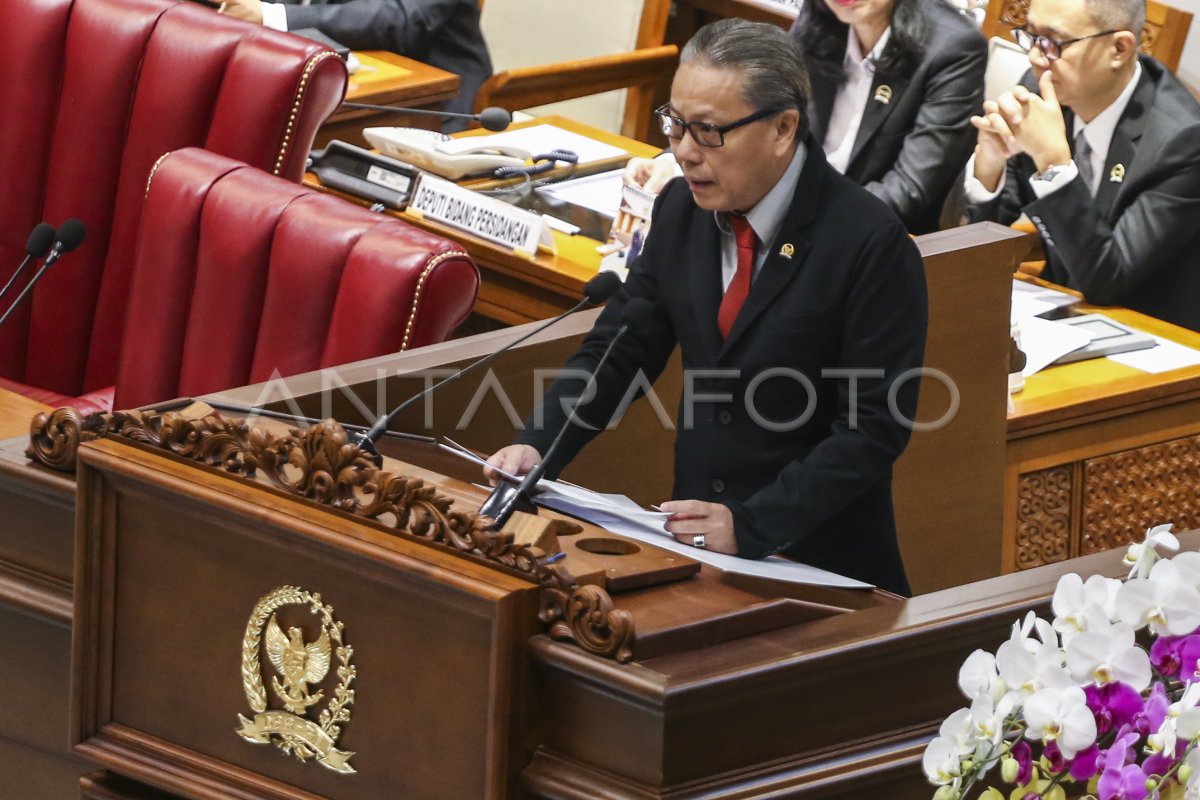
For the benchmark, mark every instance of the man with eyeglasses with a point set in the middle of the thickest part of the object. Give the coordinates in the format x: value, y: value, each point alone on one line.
x: 798, y: 303
x: 1104, y: 158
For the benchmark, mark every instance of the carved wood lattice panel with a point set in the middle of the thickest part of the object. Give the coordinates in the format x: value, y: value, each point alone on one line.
x: 1125, y: 493
x: 1044, y: 516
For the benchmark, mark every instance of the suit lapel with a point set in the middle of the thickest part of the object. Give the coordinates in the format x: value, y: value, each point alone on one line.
x: 704, y: 276
x: 1123, y: 148
x: 783, y: 264
x: 886, y: 90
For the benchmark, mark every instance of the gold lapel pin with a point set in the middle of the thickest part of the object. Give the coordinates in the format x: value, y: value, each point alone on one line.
x: 883, y: 94
x: 1117, y: 175
x: 788, y: 250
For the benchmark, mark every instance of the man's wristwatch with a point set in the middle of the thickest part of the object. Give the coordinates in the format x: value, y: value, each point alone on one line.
x: 1051, y: 172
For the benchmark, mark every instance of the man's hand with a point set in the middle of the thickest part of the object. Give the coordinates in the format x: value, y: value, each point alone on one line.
x: 714, y: 521
x: 994, y: 145
x: 1021, y: 121
x: 516, y: 459
x: 249, y: 10
x: 651, y: 174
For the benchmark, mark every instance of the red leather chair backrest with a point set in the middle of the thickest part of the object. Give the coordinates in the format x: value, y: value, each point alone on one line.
x: 240, y: 277
x: 96, y: 92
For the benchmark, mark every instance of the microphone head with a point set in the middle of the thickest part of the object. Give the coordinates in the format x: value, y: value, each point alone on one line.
x: 494, y: 119
x: 600, y: 288
x: 40, y: 240
x: 70, y: 235
x: 637, y: 312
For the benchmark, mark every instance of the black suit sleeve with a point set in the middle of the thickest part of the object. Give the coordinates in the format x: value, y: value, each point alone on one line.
x: 884, y: 330
x: 1108, y: 262
x: 402, y: 26
x: 940, y: 141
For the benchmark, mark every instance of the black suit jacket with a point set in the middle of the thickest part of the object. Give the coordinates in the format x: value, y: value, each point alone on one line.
x: 851, y: 295
x: 910, y: 151
x: 1137, y: 242
x: 441, y: 33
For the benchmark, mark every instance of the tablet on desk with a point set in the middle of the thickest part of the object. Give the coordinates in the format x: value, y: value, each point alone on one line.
x: 1109, y: 337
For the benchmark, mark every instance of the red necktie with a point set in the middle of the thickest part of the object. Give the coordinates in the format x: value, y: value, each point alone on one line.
x: 739, y: 287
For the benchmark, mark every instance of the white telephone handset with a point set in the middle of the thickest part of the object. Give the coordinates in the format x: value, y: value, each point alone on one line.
x: 441, y: 155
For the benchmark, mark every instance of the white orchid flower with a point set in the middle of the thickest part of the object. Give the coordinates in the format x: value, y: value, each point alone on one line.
x: 1141, y: 556
x: 987, y: 721
x: 1106, y: 655
x: 1182, y: 721
x: 979, y: 676
x: 944, y: 754
x: 1164, y: 601
x: 941, y: 762
x: 1079, y: 606
x: 1188, y: 565
x: 1062, y: 716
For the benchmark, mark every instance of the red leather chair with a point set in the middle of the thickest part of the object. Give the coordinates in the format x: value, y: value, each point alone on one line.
x: 105, y: 88
x: 240, y: 276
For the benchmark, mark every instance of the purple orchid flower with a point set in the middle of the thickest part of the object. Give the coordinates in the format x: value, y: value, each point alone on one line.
x: 1113, y: 705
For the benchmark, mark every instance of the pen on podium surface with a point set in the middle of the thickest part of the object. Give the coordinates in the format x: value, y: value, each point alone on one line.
x: 559, y: 556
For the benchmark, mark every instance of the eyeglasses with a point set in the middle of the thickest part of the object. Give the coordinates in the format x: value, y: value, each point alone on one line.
x: 1051, y: 48
x: 704, y: 134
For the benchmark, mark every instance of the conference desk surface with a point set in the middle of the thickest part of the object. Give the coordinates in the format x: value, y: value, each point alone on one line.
x: 515, y: 288
x: 388, y: 79
x: 1097, y: 452
x: 15, y: 412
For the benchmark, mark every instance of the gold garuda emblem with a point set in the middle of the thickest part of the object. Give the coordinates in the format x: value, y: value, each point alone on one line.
x: 298, y: 666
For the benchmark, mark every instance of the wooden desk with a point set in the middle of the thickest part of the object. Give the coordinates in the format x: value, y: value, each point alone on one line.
x: 1098, y: 452
x: 516, y: 289
x: 388, y: 79
x: 15, y: 412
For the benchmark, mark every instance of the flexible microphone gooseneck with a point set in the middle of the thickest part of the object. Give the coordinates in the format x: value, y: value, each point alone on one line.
x: 491, y: 118
x: 507, y: 498
x: 596, y: 291
x: 40, y: 239
x: 70, y: 236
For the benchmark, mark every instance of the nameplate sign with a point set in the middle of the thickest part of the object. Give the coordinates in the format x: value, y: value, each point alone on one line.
x: 486, y: 217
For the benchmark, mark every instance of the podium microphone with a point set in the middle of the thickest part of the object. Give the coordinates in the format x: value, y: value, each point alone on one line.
x: 70, y: 236
x: 506, y: 498
x: 491, y: 118
x: 596, y: 291
x: 37, y: 246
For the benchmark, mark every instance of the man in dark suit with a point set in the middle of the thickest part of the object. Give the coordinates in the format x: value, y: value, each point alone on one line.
x: 914, y: 99
x: 442, y: 33
x: 799, y: 305
x: 1104, y: 158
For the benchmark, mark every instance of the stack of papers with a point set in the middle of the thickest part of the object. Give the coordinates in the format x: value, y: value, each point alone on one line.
x: 619, y: 514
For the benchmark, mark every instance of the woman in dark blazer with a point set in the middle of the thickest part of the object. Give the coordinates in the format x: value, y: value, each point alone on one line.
x: 919, y: 84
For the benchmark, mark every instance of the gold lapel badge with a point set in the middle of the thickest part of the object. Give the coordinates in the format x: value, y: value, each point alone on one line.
x: 299, y: 663
x: 883, y: 94
x: 788, y: 250
x: 1117, y: 175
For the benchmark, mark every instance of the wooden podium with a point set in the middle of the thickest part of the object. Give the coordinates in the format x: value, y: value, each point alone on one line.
x: 715, y: 694
x: 326, y: 629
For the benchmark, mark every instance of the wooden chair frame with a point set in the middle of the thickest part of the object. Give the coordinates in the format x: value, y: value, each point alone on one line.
x: 1163, y: 36
x: 640, y: 71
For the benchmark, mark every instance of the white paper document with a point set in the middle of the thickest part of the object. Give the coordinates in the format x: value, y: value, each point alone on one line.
x: 1029, y: 299
x: 1164, y: 356
x: 1045, y: 341
x: 600, y: 192
x: 539, y: 139
x: 619, y: 514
